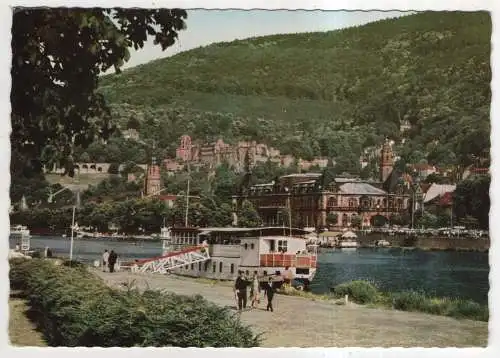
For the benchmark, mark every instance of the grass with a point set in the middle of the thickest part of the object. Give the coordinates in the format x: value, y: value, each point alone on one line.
x: 22, y: 331
x: 365, y: 293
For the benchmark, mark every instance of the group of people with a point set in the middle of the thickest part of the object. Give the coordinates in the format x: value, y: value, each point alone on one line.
x: 243, y: 281
x: 109, y: 260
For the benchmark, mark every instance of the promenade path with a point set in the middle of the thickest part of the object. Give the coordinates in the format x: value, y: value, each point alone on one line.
x: 301, y: 322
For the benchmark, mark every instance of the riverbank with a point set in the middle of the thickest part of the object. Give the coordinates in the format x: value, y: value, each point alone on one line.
x: 303, y: 322
x: 431, y: 243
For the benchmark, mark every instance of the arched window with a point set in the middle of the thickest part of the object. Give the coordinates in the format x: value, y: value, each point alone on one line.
x: 332, y: 201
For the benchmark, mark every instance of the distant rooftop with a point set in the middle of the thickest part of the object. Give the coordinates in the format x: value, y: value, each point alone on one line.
x: 302, y: 175
x: 360, y: 189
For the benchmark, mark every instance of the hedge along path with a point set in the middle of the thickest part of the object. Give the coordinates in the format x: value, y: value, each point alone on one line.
x: 73, y: 308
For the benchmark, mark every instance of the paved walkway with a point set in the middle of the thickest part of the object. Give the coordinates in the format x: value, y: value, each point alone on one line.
x: 300, y: 322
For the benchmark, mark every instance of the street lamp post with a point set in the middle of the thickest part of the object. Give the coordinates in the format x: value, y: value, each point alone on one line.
x: 289, y: 211
x: 50, y: 200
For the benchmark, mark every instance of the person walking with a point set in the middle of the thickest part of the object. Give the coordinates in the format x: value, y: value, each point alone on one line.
x: 269, y: 292
x: 287, y: 277
x: 255, y: 290
x: 240, y: 287
x: 248, y: 279
x: 112, y: 261
x: 105, y: 259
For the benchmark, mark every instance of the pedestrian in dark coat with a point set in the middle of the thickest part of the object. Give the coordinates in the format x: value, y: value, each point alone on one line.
x: 240, y: 288
x: 112, y: 260
x: 269, y: 293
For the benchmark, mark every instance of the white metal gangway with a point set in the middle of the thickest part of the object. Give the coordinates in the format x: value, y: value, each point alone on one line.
x: 163, y: 264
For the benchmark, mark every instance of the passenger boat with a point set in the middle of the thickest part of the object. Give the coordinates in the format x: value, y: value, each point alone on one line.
x: 219, y: 253
x: 348, y: 240
x: 22, y: 233
x: 347, y: 244
x: 19, y: 230
x: 382, y: 243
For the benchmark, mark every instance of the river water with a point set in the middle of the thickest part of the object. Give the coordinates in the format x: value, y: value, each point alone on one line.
x: 439, y: 273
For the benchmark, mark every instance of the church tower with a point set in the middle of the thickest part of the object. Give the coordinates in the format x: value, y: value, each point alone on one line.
x: 386, y: 160
x: 152, y: 183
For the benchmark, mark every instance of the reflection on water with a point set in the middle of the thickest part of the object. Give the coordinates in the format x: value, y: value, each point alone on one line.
x: 440, y: 273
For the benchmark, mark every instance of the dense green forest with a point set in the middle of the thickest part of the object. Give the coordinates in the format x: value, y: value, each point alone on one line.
x: 330, y: 94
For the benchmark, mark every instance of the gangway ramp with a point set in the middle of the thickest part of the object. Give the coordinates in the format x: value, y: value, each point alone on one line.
x: 172, y: 260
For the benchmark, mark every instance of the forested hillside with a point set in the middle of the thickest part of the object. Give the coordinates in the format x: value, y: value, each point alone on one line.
x: 328, y: 94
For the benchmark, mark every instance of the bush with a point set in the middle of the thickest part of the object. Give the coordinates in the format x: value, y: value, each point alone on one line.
x: 468, y: 309
x: 359, y: 291
x: 419, y: 302
x: 114, y: 168
x: 408, y: 301
x: 75, y: 308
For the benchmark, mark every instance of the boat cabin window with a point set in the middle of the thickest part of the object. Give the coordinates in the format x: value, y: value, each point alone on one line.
x: 252, y: 246
x: 272, y: 245
x: 220, y: 266
x: 192, y: 267
x: 301, y: 271
x: 246, y: 246
x: 213, y: 267
x: 232, y: 268
x: 282, y: 245
x: 206, y: 266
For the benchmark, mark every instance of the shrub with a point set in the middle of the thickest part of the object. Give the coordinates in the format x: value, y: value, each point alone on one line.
x: 416, y: 301
x: 408, y: 301
x: 114, y: 168
x: 358, y: 291
x: 468, y: 309
x: 75, y: 308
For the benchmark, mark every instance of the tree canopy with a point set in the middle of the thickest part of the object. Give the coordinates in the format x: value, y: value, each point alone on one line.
x: 57, y: 57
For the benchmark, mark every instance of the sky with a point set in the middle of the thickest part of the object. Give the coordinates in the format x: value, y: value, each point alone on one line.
x: 209, y: 26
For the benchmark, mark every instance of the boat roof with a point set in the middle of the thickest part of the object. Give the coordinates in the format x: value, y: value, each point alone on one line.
x: 212, y: 230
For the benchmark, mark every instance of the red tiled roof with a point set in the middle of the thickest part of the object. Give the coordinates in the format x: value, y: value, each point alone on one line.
x: 480, y: 170
x: 168, y: 197
x: 424, y: 187
x: 446, y: 199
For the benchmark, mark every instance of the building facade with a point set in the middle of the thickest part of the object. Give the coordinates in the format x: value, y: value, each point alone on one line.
x: 299, y: 199
x: 152, y: 180
x: 218, y: 152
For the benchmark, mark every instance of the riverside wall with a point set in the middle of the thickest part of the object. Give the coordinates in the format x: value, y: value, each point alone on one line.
x: 427, y: 243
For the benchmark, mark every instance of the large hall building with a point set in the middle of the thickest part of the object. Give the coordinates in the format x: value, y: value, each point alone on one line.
x: 301, y: 198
